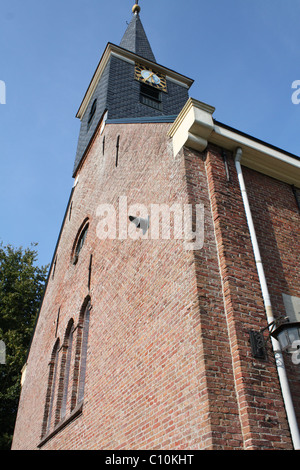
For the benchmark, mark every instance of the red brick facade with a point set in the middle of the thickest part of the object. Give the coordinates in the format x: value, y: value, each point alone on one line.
x: 168, y: 358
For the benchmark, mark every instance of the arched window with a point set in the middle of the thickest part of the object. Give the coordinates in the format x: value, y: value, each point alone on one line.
x: 67, y: 390
x: 81, y: 354
x: 50, y: 389
x: 79, y: 241
x: 63, y: 385
x: 69, y: 340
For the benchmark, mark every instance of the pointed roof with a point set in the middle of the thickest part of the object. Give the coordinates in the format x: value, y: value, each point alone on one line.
x: 135, y: 39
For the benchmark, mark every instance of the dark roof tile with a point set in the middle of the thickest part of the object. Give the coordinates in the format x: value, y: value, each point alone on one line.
x: 135, y: 39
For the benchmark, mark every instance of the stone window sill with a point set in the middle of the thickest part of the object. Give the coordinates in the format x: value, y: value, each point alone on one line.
x: 62, y: 424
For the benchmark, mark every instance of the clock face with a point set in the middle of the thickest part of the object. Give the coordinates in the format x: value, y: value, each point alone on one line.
x: 148, y: 76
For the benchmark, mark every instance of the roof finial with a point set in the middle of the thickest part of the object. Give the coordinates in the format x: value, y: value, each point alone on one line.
x: 136, y: 8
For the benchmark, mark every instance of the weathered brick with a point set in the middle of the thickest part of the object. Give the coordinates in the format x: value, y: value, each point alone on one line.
x: 169, y: 363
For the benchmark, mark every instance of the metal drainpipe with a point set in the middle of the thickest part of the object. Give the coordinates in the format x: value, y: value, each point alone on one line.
x: 290, y: 411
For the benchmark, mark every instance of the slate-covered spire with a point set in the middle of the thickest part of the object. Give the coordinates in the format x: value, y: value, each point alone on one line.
x: 135, y: 39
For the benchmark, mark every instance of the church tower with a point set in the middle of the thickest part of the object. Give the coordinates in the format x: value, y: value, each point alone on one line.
x: 173, y: 261
x: 128, y: 84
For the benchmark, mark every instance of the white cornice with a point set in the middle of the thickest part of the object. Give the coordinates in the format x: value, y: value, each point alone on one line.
x: 194, y: 127
x: 116, y: 51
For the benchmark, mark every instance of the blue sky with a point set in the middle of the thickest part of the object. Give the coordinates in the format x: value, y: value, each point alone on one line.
x: 242, y: 54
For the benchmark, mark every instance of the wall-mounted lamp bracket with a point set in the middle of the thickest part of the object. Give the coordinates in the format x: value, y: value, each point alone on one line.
x: 282, y: 330
x: 258, y: 344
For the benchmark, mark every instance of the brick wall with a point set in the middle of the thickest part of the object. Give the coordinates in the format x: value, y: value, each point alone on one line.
x: 277, y: 222
x: 169, y: 364
x: 261, y: 409
x: 146, y: 377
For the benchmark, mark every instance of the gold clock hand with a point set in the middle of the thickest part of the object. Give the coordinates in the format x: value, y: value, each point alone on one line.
x: 149, y: 78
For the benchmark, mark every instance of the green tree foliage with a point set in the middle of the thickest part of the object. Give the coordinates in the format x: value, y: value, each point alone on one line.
x: 22, y: 286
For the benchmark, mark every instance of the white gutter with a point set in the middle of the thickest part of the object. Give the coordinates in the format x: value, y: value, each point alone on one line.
x: 290, y: 411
